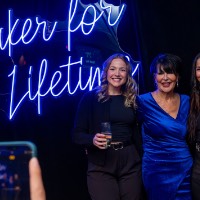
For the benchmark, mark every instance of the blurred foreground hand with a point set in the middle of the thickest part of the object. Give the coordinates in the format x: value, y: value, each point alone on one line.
x: 36, y: 184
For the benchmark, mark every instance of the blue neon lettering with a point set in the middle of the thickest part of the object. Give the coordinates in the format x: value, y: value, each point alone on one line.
x: 85, y: 25
x: 57, y: 84
x: 54, y: 82
x: 12, y: 112
x: 136, y: 67
x: 56, y: 78
x: 44, y: 23
x: 114, y: 14
x: 113, y: 11
x: 27, y: 32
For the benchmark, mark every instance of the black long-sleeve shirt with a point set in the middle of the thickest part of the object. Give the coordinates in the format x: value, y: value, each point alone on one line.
x: 91, y: 113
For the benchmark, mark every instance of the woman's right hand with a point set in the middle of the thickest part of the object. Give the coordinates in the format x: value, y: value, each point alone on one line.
x: 100, y: 141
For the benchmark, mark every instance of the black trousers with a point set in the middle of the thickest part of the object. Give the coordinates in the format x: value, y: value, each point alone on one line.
x: 195, y: 189
x: 195, y: 183
x: 120, y: 177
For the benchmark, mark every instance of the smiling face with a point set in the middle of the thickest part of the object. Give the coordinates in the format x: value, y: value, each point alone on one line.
x: 116, y: 76
x: 198, y: 69
x: 166, y: 81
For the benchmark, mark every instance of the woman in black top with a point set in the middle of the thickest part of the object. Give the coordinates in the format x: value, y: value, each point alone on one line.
x: 194, y: 126
x: 114, y: 173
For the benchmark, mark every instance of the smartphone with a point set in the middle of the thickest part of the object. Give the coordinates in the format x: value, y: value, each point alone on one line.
x: 14, y: 169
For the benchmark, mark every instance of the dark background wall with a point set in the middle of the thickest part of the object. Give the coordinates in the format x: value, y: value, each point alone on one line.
x: 146, y: 29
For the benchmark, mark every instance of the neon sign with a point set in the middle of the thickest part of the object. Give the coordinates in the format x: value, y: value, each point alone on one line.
x: 27, y: 28
x: 56, y: 78
x: 61, y: 80
x: 25, y: 32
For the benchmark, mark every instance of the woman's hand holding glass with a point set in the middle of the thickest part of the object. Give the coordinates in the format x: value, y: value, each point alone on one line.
x: 103, y: 140
x: 100, y: 141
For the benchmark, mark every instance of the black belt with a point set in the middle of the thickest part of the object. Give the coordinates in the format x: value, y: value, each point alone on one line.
x: 120, y: 145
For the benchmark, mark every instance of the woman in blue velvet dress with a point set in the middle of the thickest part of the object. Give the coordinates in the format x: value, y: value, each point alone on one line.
x: 167, y: 161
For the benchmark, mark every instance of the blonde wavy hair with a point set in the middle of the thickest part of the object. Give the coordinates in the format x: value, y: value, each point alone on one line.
x: 129, y: 89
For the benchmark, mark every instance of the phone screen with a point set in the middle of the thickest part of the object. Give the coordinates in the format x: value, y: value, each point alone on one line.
x: 14, y: 171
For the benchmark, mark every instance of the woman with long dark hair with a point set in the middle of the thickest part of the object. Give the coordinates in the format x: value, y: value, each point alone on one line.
x: 194, y: 126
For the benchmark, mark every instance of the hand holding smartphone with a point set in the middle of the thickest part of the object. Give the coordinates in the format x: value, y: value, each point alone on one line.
x: 14, y: 169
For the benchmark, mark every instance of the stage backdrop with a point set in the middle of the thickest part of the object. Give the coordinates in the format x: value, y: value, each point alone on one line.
x: 51, y: 53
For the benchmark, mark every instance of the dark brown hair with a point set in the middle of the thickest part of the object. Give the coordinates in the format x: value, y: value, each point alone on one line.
x: 169, y: 63
x: 194, y: 101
